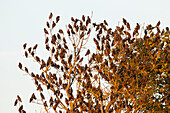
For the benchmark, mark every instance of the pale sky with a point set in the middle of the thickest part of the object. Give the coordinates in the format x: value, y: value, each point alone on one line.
x: 23, y: 21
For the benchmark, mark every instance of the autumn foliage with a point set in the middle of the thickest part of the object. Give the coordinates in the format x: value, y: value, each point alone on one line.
x: 128, y: 70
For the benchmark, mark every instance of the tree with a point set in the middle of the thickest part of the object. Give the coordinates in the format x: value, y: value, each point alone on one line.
x: 127, y: 71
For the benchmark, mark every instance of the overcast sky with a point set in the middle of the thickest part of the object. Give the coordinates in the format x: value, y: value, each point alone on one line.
x: 23, y: 21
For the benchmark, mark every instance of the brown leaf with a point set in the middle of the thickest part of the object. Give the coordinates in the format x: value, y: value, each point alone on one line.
x: 81, y: 60
x: 105, y: 22
x: 89, y: 31
x: 48, y: 25
x: 167, y: 28
x: 32, y: 74
x: 68, y: 32
x: 20, y: 108
x: 49, y: 61
x: 72, y: 31
x: 42, y: 96
x: 47, y: 47
x: 64, y: 40
x: 37, y: 59
x: 46, y: 40
x: 72, y: 19
x: 35, y: 47
x: 16, y: 101
x: 39, y: 86
x: 23, y: 111
x: 53, y: 41
x: 66, y: 101
x: 26, y: 54
x: 61, y: 95
x: 20, y: 65
x: 51, y: 99
x: 51, y: 15
x: 64, y: 86
x: 94, y: 24
x: 163, y: 31
x: 29, y: 49
x: 26, y: 69
x: 45, y: 103
x: 33, y: 96
x: 82, y: 35
x: 57, y: 19
x: 95, y: 41
x: 61, y: 31
x: 24, y: 46
x: 53, y: 50
x: 158, y: 23
x: 31, y: 99
x: 70, y: 58
x: 60, y: 81
x: 83, y: 18
x: 19, y: 99
x: 54, y: 107
x: 32, y: 53
x: 95, y: 77
x: 57, y: 66
x: 58, y: 35
x: 45, y: 31
x: 88, y: 19
x: 53, y: 25
x: 70, y: 26
x: 88, y: 52
x: 128, y: 26
x: 124, y: 21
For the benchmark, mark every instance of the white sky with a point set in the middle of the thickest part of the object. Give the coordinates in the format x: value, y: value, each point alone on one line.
x: 23, y: 21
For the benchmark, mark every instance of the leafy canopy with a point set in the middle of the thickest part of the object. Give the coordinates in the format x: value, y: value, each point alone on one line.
x: 126, y: 71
